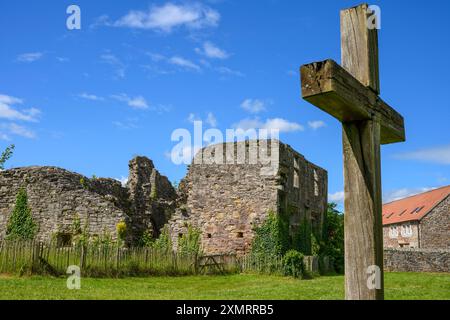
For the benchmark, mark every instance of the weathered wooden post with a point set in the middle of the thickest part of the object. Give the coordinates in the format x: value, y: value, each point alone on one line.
x: 350, y: 94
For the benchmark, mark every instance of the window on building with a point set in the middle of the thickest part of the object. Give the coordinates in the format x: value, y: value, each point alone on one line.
x: 406, y: 230
x: 209, y: 235
x: 316, y: 188
x: 240, y: 234
x: 296, y: 179
x: 64, y: 240
x: 393, y: 232
x: 316, y: 183
x: 417, y: 210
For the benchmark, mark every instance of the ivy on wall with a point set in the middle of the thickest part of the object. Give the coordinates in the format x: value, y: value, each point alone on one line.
x: 20, y: 224
x: 272, y: 236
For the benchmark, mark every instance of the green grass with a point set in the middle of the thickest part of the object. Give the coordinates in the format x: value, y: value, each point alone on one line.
x: 243, y: 286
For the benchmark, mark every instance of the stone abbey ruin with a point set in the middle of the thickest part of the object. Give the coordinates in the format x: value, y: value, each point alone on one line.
x: 225, y: 202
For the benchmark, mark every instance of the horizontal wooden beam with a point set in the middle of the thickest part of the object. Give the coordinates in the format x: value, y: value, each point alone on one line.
x: 331, y: 88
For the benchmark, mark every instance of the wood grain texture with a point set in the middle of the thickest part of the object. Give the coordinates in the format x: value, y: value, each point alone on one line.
x: 350, y: 94
x: 359, y: 47
x: 363, y: 225
x: 330, y: 87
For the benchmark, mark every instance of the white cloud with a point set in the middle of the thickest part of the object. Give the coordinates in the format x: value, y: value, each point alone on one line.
x: 62, y: 59
x: 440, y: 155
x: 112, y: 60
x: 316, y: 124
x: 228, y: 71
x: 123, y: 180
x: 398, y: 194
x: 212, y: 51
x: 137, y: 102
x: 156, y: 57
x: 9, y: 113
x: 30, y: 57
x: 254, y: 105
x: 181, y: 62
x: 169, y: 16
x: 103, y: 20
x: 11, y: 128
x: 270, y: 124
x: 92, y: 97
x: 336, y: 197
x: 127, y: 124
x: 192, y: 117
x: 211, y: 120
x: 9, y: 99
x: 21, y: 131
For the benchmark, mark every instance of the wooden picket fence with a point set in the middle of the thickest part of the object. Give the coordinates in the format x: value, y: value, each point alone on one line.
x: 34, y: 257
x: 105, y: 260
x: 265, y: 265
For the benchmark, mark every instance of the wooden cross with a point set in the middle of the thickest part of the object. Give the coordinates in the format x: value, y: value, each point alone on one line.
x: 350, y: 94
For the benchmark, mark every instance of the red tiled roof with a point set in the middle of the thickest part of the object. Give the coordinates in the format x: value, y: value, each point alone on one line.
x: 413, y: 208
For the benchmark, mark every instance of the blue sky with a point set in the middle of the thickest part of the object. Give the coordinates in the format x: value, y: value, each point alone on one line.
x: 89, y: 100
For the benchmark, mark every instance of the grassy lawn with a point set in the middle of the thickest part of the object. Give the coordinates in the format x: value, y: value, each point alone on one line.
x: 244, y: 286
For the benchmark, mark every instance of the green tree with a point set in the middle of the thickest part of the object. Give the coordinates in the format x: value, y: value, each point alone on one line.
x: 6, y: 155
x: 272, y: 236
x: 189, y: 243
x: 164, y: 241
x: 303, y: 238
x: 334, y: 237
x: 20, y: 224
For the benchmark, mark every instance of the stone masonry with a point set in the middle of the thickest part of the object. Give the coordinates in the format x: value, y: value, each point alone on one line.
x: 417, y: 260
x: 224, y: 201
x: 435, y: 227
x: 227, y: 201
x: 56, y: 197
x: 432, y: 231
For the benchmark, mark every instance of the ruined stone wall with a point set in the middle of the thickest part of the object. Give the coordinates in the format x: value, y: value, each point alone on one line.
x: 303, y: 191
x: 152, y: 197
x: 435, y: 227
x: 417, y: 260
x: 227, y: 201
x: 56, y: 196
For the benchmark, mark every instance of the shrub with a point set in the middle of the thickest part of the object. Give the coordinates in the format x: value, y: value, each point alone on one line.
x: 146, y: 240
x: 164, y: 241
x: 293, y: 264
x: 83, y: 183
x: 6, y: 155
x: 20, y: 224
x: 303, y: 237
x: 189, y: 243
x: 76, y: 225
x: 121, y: 229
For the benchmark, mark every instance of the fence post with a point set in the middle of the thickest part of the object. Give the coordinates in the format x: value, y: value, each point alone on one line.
x: 82, y: 257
